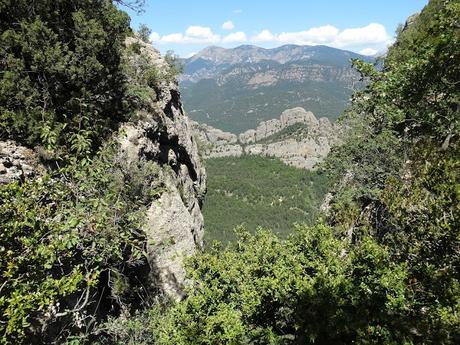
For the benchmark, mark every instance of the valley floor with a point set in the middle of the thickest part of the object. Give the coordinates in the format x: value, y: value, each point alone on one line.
x: 259, y: 191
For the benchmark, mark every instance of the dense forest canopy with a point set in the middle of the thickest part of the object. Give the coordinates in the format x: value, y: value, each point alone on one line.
x: 382, y: 266
x: 259, y: 191
x: 62, y: 81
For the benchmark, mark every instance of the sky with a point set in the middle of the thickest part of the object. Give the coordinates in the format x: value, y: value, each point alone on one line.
x: 187, y: 26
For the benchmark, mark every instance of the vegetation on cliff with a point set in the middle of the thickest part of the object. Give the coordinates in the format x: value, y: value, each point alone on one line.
x: 384, y: 268
x: 71, y: 246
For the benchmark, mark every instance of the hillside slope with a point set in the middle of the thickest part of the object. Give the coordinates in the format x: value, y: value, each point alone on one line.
x: 101, y: 184
x: 235, y: 89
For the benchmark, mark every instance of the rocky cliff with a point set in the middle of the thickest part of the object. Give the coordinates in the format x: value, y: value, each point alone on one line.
x: 298, y: 138
x: 174, y: 222
x: 161, y: 135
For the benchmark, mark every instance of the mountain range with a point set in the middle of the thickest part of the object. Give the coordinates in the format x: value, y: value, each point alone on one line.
x: 235, y: 89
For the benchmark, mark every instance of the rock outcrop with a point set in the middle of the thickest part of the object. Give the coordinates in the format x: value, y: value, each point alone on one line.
x: 174, y: 226
x: 210, y: 134
x: 18, y: 162
x: 162, y: 135
x: 268, y: 128
x: 306, y: 146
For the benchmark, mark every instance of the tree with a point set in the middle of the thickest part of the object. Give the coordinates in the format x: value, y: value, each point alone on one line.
x: 62, y: 84
x: 144, y: 33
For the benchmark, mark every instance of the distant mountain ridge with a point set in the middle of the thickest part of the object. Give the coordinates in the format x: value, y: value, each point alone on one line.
x: 217, y: 58
x: 235, y: 89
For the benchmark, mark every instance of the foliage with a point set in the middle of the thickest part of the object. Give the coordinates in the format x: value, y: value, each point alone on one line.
x: 144, y: 33
x: 261, y: 290
x: 174, y: 64
x: 413, y: 101
x: 144, y: 77
x: 135, y: 5
x: 71, y: 242
x: 259, y: 191
x: 386, y: 269
x: 424, y: 218
x: 68, y: 242
x: 399, y: 166
x: 62, y: 84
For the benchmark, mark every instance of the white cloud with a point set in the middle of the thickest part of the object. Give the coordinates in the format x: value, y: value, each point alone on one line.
x: 201, y: 33
x: 194, y: 34
x: 239, y: 36
x: 237, y: 11
x: 368, y: 51
x: 367, y: 39
x: 172, y: 38
x: 264, y: 36
x: 228, y: 25
x: 320, y: 35
x: 372, y: 34
x: 154, y: 37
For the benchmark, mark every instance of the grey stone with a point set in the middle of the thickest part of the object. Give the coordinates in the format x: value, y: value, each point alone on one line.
x: 18, y: 162
x: 174, y: 226
x: 305, y: 150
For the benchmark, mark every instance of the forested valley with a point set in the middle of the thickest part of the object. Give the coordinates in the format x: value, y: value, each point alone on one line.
x: 378, y: 263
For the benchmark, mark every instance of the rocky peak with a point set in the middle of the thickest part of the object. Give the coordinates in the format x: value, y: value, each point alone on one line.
x: 298, y: 115
x: 288, y: 118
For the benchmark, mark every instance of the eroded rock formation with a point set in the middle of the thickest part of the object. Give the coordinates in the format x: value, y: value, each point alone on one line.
x: 302, y: 147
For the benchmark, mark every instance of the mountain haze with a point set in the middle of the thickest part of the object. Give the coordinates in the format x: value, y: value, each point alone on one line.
x: 235, y: 89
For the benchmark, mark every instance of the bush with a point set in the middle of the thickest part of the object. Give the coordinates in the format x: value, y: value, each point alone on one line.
x: 61, y: 72
x: 73, y: 248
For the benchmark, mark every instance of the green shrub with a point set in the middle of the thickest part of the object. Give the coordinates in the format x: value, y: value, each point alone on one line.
x: 61, y: 72
x: 70, y: 245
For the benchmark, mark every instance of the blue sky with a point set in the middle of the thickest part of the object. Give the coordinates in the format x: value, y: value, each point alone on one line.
x: 186, y: 26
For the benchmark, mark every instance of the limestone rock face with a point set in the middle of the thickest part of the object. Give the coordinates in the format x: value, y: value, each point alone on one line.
x: 288, y: 118
x: 213, y: 135
x: 174, y: 226
x: 17, y: 162
x: 298, y: 115
x: 248, y: 137
x: 303, y: 149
